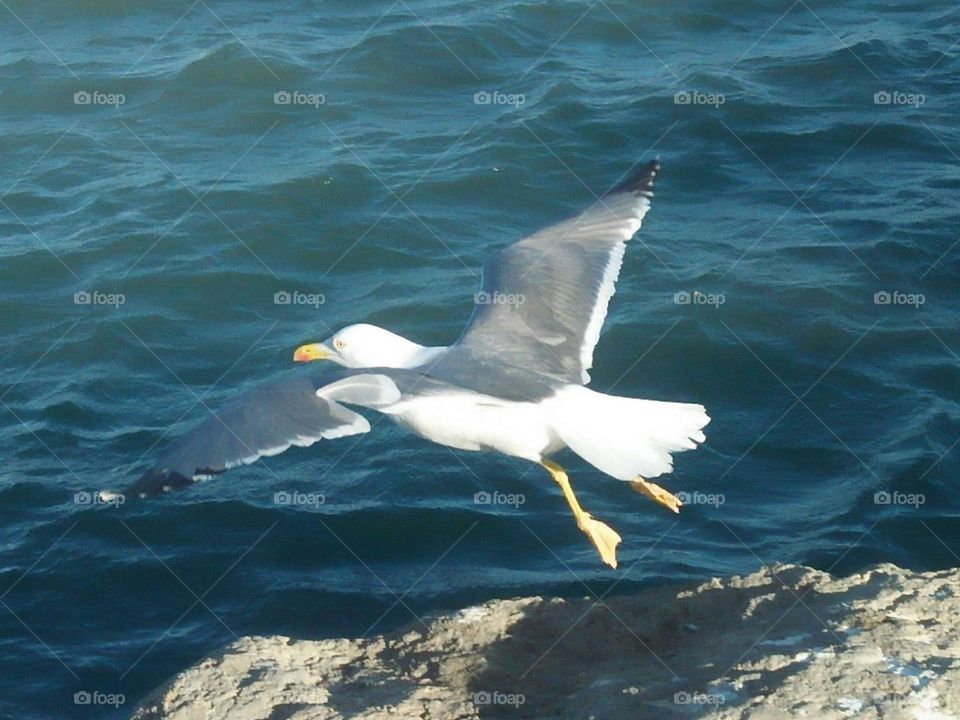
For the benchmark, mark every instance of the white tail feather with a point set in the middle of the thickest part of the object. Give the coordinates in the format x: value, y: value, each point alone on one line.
x: 625, y: 437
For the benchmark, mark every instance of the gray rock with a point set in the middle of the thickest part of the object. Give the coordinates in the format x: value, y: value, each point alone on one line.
x: 784, y: 642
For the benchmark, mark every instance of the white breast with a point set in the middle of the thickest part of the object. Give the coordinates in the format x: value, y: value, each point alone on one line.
x: 468, y: 421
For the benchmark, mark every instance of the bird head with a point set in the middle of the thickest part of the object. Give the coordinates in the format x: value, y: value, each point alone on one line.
x: 361, y: 346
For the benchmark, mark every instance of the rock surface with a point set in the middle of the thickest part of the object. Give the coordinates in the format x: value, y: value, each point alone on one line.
x: 784, y: 642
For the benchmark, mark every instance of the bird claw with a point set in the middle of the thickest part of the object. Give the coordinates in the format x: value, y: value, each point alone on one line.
x: 604, y: 538
x: 657, y: 494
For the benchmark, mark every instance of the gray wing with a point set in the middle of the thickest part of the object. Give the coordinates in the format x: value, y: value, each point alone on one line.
x: 543, y: 299
x: 266, y: 421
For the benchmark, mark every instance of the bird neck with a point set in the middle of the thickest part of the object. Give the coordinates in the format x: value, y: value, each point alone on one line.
x: 419, y: 355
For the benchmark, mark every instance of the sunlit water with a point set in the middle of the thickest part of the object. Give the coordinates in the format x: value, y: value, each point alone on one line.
x: 809, y: 163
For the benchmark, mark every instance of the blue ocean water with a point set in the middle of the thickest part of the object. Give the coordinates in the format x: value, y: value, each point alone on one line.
x: 168, y: 168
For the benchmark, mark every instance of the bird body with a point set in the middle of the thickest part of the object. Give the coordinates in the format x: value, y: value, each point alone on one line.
x: 468, y: 421
x: 514, y: 382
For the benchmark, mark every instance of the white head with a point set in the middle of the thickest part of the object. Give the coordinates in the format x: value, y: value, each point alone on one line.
x: 363, y: 346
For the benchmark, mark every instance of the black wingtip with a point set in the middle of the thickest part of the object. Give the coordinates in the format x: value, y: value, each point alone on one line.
x: 157, y: 481
x: 640, y: 182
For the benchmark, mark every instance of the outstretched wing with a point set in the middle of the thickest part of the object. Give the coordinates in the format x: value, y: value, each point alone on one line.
x: 543, y: 299
x: 266, y: 421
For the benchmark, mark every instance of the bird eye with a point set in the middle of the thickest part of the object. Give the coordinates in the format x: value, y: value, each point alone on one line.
x: 339, y: 344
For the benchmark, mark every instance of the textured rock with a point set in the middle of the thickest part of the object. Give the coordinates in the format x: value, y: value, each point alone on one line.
x: 784, y: 642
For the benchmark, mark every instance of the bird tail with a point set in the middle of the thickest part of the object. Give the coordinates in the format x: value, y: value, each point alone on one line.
x: 625, y: 437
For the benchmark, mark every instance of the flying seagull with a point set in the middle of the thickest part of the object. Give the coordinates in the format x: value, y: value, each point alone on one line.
x: 514, y: 382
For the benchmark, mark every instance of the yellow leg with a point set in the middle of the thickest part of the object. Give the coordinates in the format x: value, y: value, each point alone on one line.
x: 656, y: 493
x: 603, y: 537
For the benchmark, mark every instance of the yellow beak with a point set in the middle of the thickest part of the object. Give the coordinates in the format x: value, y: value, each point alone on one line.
x: 311, y: 352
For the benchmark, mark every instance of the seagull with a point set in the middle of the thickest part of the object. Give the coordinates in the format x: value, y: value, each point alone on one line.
x: 514, y: 382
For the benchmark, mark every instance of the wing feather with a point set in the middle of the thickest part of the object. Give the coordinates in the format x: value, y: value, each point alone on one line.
x: 543, y: 299
x: 267, y: 420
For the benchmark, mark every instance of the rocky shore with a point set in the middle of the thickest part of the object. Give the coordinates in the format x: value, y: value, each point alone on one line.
x: 784, y: 642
